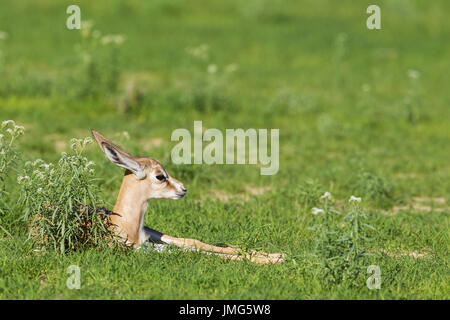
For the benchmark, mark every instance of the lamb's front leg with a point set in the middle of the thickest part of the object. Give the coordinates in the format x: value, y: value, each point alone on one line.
x: 160, y: 241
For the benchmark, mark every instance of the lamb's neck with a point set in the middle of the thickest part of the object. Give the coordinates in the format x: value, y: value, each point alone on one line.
x: 128, y: 215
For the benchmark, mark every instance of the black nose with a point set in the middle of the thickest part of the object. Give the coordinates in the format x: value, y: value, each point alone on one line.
x: 183, y: 189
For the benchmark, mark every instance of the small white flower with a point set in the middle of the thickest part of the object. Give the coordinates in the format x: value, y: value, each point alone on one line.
x: 317, y: 210
x: 39, y: 174
x: 6, y: 122
x: 39, y: 190
x: 87, y: 140
x: 19, y: 130
x: 365, y: 87
x: 413, y: 74
x: 3, y: 35
x: 326, y: 195
x: 126, y: 135
x: 89, y: 164
x: 112, y: 38
x: 199, y: 52
x: 1, y: 137
x: 21, y: 178
x: 231, y: 68
x: 75, y: 143
x: 354, y: 199
x: 119, y: 39
x: 86, y: 27
x: 212, y: 68
x: 45, y: 166
x: 37, y: 162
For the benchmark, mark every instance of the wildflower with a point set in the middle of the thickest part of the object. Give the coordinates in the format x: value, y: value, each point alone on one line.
x: 3, y: 35
x: 326, y: 195
x: 341, y: 38
x: 119, y: 39
x: 317, y: 210
x: 365, y: 87
x: 45, y: 166
x: 231, y: 68
x: 37, y: 162
x: 87, y: 140
x: 1, y: 137
x: 413, y: 74
x: 354, y: 199
x: 112, y: 38
x: 212, y: 68
x: 6, y: 122
x: 74, y: 143
x: 86, y: 27
x: 21, y: 178
x: 90, y: 163
x: 199, y: 52
x: 39, y: 190
x: 39, y: 174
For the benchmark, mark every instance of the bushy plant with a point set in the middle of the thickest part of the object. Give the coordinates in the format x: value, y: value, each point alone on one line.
x: 60, y: 201
x: 208, y: 89
x: 97, y: 65
x: 9, y: 132
x: 341, y: 243
x: 374, y: 188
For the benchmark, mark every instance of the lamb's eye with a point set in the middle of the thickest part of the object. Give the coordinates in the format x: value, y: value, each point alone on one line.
x: 161, y: 177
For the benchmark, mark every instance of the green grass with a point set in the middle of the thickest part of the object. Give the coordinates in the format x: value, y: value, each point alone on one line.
x: 351, y: 120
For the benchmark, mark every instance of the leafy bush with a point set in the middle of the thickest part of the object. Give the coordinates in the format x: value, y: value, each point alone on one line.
x: 61, y: 202
x: 374, y: 188
x: 9, y: 132
x: 96, y: 67
x: 341, y: 243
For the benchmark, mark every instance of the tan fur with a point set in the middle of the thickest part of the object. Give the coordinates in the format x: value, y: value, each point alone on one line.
x: 140, y: 185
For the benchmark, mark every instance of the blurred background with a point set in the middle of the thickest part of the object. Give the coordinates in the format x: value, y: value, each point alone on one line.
x: 361, y: 112
x: 349, y: 101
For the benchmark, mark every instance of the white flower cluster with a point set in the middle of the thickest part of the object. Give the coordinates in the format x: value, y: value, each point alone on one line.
x: 354, y: 199
x: 201, y: 52
x: 78, y: 145
x: 42, y: 176
x: 117, y: 39
x: 327, y: 196
x: 86, y: 27
x: 23, y: 179
x: 86, y: 32
x: 3, y: 35
x: 10, y: 127
x: 413, y: 74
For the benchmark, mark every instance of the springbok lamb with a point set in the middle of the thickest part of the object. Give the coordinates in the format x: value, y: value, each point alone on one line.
x: 145, y: 178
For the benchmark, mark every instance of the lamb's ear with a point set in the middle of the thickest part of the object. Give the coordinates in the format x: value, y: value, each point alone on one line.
x: 118, y: 156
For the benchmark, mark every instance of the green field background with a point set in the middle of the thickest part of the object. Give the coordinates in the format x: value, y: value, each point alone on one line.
x: 361, y: 112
